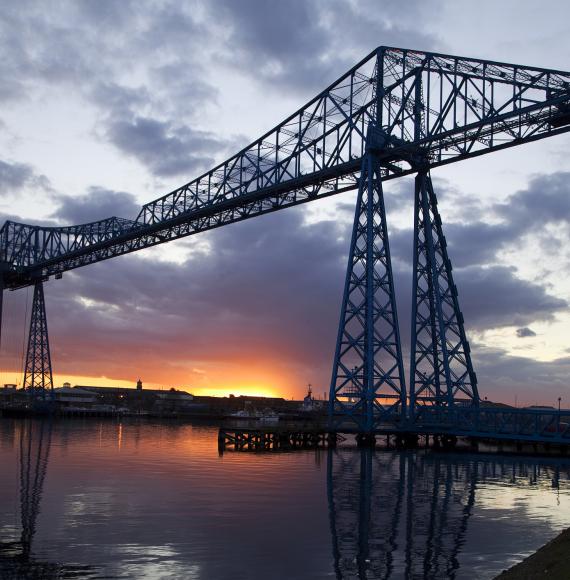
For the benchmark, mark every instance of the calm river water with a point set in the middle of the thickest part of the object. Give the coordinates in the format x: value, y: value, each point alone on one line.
x: 105, y: 499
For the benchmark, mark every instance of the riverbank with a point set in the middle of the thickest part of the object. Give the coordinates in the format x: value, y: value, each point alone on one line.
x: 552, y: 561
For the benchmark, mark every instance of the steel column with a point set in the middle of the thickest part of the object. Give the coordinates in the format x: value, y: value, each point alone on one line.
x: 368, y: 385
x: 441, y: 371
x: 38, y: 373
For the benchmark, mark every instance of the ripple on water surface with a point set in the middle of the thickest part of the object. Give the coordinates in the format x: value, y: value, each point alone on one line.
x: 156, y: 500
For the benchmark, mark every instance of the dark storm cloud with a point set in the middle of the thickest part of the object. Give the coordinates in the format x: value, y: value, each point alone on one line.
x: 164, y: 148
x: 279, y: 42
x: 545, y: 200
x: 525, y: 332
x: 184, y: 89
x: 118, y: 101
x: 489, y: 297
x: 304, y: 44
x: 477, y: 242
x: 15, y: 176
x: 532, y: 380
x: 494, y: 296
x: 97, y: 204
x: 474, y: 241
x: 469, y: 244
x: 270, y: 287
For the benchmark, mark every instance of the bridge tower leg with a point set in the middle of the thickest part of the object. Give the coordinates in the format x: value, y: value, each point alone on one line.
x: 368, y: 384
x: 441, y: 372
x: 38, y: 373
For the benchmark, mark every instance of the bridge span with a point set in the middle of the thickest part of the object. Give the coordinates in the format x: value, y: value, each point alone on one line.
x: 397, y: 112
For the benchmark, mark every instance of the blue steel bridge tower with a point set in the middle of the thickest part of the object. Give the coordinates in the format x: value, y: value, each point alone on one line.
x: 368, y: 385
x: 368, y: 389
x: 441, y: 368
x: 38, y: 376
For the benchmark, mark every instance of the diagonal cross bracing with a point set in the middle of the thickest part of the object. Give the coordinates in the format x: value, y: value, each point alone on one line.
x: 367, y: 385
x: 38, y: 373
x: 441, y: 372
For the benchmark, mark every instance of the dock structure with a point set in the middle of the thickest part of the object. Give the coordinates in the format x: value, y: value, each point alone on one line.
x: 255, y: 437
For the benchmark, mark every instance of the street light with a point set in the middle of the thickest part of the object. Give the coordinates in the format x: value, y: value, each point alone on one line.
x: 559, y: 399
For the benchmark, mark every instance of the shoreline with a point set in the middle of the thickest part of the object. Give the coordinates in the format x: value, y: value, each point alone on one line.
x: 464, y: 444
x: 551, y: 561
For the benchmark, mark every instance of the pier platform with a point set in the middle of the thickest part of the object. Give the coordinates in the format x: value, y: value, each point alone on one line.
x: 252, y: 436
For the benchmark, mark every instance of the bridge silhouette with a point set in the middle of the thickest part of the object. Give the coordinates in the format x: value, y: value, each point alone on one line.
x: 397, y: 112
x: 17, y: 558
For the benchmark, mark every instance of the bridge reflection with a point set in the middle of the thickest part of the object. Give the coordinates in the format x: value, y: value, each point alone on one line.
x: 406, y: 514
x: 35, y: 443
x: 16, y: 557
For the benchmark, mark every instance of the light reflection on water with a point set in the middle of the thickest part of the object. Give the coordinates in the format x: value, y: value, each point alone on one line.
x: 90, y: 499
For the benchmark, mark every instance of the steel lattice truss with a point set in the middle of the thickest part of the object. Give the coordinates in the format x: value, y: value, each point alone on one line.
x: 441, y: 368
x: 368, y: 384
x: 412, y: 104
x: 38, y: 373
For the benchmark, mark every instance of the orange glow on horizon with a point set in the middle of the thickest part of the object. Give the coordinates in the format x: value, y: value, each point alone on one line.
x: 251, y: 391
x: 264, y: 375
x: 223, y: 390
x: 58, y: 380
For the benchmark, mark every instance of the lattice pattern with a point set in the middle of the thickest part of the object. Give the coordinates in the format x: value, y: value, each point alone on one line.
x: 441, y: 368
x: 38, y: 374
x: 368, y: 378
x: 441, y: 107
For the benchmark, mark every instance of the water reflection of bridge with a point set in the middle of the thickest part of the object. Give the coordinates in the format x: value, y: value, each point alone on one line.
x: 406, y: 514
x: 16, y: 557
x: 392, y: 513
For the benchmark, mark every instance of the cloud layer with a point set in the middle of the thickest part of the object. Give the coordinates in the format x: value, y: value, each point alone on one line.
x: 261, y: 298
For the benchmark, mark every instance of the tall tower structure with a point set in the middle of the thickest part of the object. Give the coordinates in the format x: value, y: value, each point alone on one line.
x: 368, y: 385
x: 441, y: 371
x: 38, y: 378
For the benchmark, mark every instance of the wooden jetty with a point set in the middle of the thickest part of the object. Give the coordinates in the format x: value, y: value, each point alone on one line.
x: 256, y: 437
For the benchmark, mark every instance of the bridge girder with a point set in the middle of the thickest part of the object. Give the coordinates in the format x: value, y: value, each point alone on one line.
x: 413, y: 107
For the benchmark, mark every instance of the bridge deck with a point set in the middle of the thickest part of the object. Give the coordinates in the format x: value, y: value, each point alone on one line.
x: 547, y: 427
x: 490, y: 423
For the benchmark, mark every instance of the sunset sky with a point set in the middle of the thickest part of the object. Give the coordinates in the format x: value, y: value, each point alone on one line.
x: 107, y: 105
